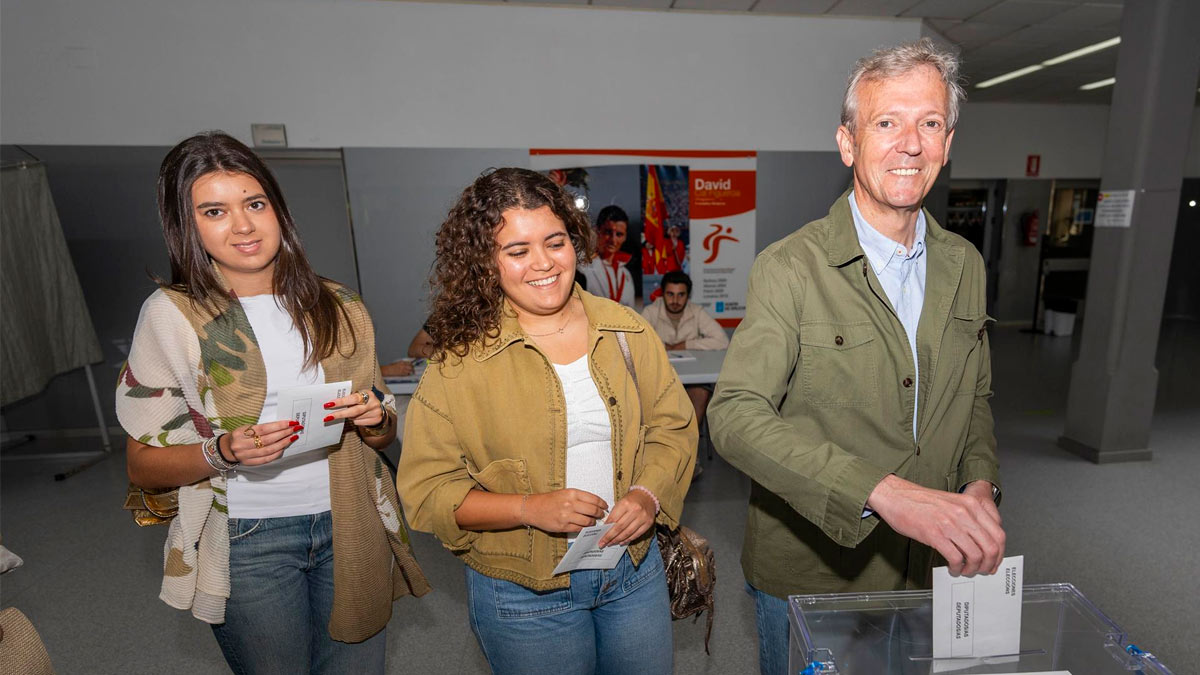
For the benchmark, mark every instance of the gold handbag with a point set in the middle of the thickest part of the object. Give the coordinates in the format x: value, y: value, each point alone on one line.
x: 152, y: 507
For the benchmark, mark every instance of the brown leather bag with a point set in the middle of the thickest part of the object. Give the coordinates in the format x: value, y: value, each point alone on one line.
x: 691, y: 571
x: 152, y: 507
x: 688, y: 560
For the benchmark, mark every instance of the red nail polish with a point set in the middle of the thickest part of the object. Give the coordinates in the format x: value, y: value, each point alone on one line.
x: 299, y: 427
x: 294, y: 423
x: 294, y: 438
x: 329, y: 418
x: 329, y: 405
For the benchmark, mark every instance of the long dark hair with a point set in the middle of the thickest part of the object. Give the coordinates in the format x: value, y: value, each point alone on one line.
x: 313, y: 306
x: 467, y: 298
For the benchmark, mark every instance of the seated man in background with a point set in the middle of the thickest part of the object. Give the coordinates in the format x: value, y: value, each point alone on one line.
x: 420, y: 348
x: 684, y: 325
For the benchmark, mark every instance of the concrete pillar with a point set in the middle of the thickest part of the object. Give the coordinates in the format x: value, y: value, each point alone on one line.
x: 1113, y: 383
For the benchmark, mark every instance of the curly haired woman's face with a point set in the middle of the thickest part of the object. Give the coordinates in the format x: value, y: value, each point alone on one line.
x: 536, y: 260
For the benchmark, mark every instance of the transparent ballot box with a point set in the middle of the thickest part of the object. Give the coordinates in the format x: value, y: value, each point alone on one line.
x: 891, y: 633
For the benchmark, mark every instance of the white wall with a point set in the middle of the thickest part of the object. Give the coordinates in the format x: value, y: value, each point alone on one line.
x: 993, y: 140
x: 364, y: 73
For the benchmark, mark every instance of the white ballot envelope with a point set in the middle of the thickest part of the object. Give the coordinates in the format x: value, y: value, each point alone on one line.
x: 585, y: 555
x: 980, y: 615
x: 306, y: 405
x: 675, y: 355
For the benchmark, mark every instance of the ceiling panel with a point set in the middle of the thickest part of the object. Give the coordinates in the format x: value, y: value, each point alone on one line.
x: 641, y: 4
x: 996, y: 36
x: 1087, y: 16
x: 977, y: 32
x: 872, y: 7
x: 948, y: 9
x: 714, y: 5
x: 1022, y: 12
x: 794, y: 6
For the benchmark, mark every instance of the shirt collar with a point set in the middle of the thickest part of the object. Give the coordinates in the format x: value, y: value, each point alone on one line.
x: 880, y: 250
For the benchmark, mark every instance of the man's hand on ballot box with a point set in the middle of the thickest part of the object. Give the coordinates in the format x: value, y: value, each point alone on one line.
x: 964, y: 528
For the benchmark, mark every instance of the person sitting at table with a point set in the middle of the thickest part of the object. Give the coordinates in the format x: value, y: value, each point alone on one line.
x: 421, y: 347
x: 685, y: 325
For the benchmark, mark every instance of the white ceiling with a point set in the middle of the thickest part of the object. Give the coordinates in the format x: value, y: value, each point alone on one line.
x: 996, y: 36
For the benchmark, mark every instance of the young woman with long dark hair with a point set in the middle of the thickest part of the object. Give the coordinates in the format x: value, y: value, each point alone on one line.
x: 294, y: 560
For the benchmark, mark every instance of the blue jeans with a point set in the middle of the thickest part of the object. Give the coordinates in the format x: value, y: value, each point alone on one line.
x: 614, y: 621
x: 770, y: 616
x: 281, y: 595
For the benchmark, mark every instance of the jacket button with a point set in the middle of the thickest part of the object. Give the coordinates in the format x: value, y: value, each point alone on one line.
x: 918, y: 449
x: 612, y: 400
x: 838, y: 340
x: 981, y: 334
x: 618, y: 474
x: 907, y: 382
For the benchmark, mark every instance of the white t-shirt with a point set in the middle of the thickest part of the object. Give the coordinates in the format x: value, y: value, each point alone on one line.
x: 605, y: 282
x: 298, y: 485
x: 589, y: 435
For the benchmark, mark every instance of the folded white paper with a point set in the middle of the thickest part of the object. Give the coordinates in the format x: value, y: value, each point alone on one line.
x: 979, y: 615
x: 306, y: 405
x: 585, y: 555
x: 680, y: 355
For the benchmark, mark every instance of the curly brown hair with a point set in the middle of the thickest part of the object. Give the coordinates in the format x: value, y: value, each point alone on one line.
x: 467, y: 298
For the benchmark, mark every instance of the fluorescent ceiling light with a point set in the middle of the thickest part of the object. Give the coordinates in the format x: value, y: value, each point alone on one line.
x: 1099, y: 83
x: 1082, y: 51
x: 1008, y: 76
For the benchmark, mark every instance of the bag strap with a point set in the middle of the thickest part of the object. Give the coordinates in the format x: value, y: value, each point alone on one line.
x: 623, y: 343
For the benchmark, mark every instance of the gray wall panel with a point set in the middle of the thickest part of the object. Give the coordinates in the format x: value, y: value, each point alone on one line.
x: 795, y: 188
x: 105, y: 197
x: 399, y: 197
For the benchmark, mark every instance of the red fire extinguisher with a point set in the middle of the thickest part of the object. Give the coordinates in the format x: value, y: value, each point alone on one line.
x: 1030, y: 228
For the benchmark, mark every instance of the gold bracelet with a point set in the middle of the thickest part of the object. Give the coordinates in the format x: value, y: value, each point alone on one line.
x: 380, y: 429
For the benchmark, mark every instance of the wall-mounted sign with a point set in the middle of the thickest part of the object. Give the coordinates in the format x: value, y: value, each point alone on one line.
x: 1114, y: 208
x: 1033, y: 165
x: 269, y: 135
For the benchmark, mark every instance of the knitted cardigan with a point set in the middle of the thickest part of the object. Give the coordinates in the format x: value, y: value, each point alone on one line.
x: 192, y: 374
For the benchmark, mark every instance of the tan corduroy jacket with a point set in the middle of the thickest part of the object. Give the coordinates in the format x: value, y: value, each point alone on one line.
x: 496, y: 420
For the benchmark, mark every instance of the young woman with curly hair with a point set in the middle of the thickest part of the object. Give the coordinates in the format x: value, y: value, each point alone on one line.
x: 294, y: 558
x: 530, y: 426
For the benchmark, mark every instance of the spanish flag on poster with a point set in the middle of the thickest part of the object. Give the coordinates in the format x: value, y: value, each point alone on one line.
x: 653, y: 221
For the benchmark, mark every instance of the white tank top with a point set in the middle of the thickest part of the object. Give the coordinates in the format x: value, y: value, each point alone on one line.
x: 298, y: 485
x: 589, y: 434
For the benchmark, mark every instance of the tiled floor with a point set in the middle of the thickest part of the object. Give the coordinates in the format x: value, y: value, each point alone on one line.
x: 1125, y: 534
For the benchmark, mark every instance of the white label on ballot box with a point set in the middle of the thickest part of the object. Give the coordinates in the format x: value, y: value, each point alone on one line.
x: 978, y: 615
x: 306, y: 405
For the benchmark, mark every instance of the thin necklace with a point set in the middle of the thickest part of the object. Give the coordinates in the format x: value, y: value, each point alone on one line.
x: 570, y: 315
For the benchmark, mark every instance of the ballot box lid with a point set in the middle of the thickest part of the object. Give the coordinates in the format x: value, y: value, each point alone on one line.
x: 892, y: 632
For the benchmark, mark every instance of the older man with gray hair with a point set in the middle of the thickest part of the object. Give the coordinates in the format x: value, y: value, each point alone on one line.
x: 855, y: 392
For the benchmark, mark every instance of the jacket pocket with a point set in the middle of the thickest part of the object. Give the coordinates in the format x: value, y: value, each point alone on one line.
x: 505, y: 476
x: 838, y: 364
x: 966, y: 332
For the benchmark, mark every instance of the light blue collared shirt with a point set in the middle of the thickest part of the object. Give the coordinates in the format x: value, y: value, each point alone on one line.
x: 901, y: 272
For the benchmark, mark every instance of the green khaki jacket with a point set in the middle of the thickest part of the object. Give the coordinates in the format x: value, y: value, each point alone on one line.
x: 496, y: 420
x: 815, y: 405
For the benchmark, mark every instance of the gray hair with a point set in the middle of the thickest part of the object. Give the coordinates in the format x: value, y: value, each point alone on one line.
x: 898, y: 60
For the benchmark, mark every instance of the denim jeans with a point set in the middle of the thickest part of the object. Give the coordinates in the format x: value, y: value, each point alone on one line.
x: 281, y: 596
x: 770, y: 616
x: 614, y: 622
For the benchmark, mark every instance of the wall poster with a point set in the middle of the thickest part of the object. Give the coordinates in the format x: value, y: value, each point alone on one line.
x: 689, y: 210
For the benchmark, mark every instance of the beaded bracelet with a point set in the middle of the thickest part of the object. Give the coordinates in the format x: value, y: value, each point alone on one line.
x: 643, y: 488
x: 212, y: 455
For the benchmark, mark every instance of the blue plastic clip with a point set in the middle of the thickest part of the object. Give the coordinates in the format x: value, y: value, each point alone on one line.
x: 813, y: 668
x: 1134, y: 650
